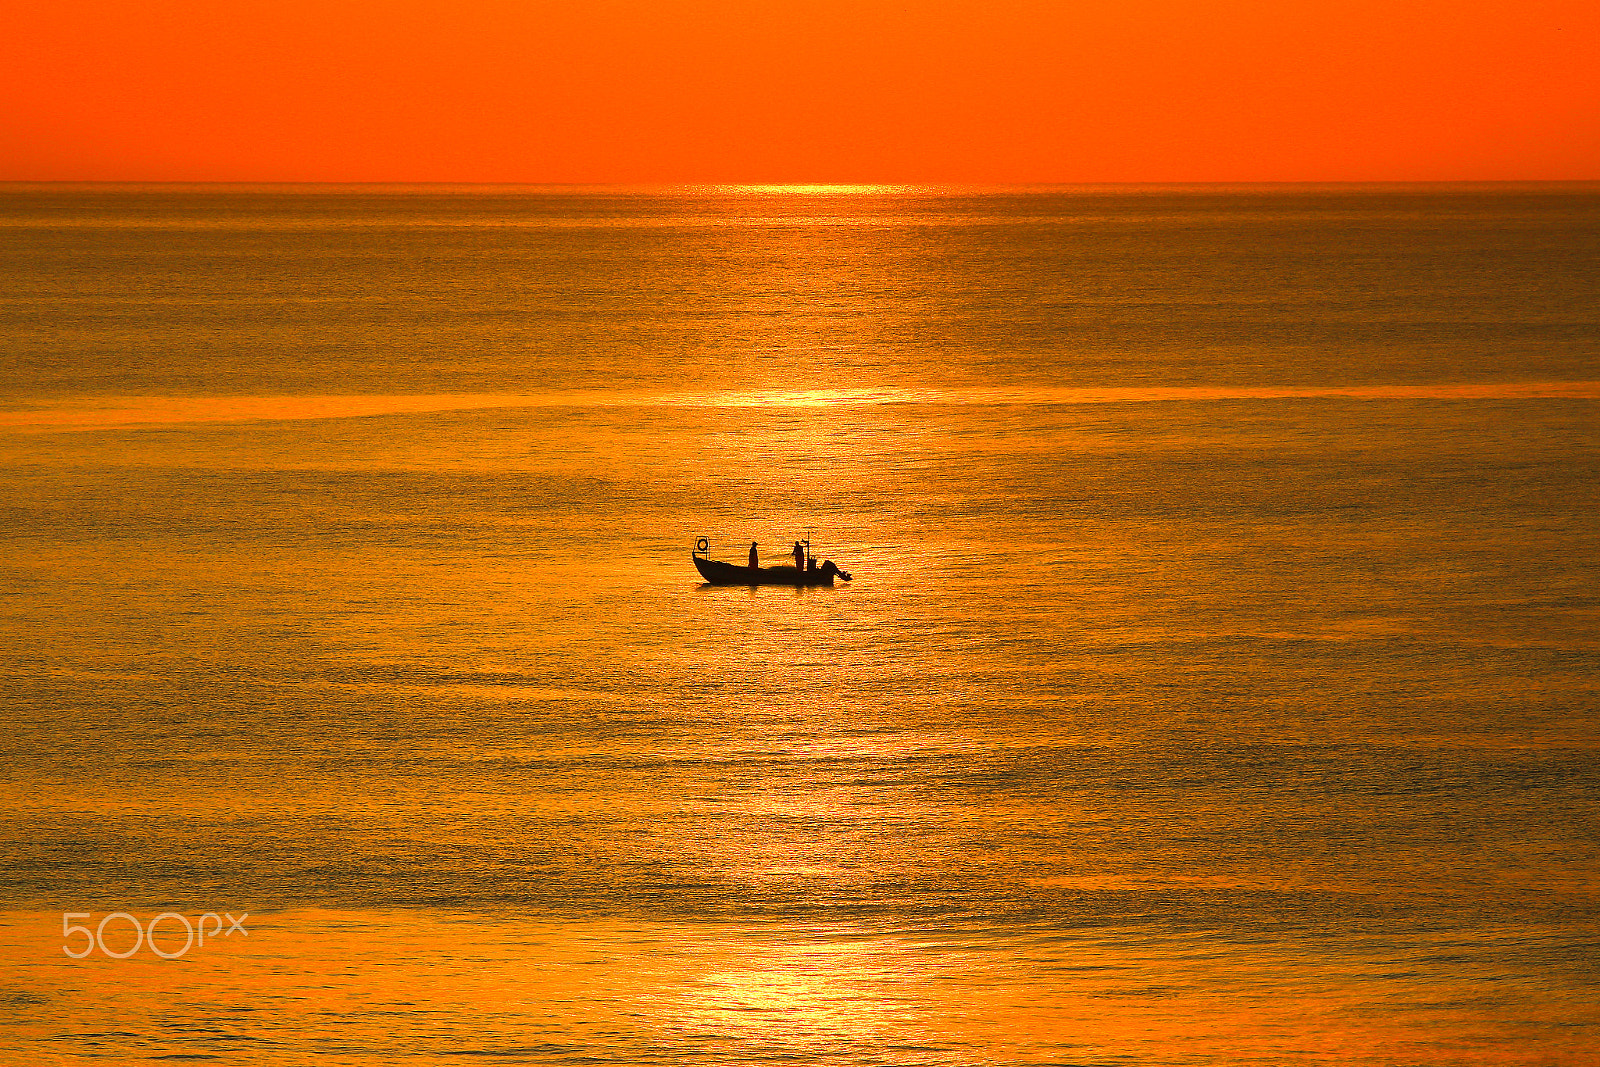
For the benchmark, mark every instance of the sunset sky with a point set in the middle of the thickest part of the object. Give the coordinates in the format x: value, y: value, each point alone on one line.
x: 759, y: 91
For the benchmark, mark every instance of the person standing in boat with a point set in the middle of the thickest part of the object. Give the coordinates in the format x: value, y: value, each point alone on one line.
x: 753, y: 561
x: 799, y: 557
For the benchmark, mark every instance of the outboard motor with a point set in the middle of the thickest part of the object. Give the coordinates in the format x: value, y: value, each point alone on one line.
x: 829, y: 565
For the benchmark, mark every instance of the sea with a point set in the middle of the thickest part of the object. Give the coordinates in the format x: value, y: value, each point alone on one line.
x: 1219, y: 682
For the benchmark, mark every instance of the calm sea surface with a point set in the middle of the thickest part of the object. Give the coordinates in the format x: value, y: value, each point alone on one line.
x: 1220, y: 683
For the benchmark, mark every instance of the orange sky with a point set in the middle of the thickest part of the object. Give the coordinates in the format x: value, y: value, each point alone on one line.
x: 760, y: 91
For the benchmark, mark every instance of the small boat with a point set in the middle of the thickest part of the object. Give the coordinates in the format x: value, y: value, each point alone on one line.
x: 718, y: 573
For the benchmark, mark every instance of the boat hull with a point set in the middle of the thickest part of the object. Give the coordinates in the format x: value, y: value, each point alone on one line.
x: 716, y: 572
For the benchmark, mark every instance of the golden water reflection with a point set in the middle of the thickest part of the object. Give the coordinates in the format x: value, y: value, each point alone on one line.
x: 372, y: 986
x: 111, y: 412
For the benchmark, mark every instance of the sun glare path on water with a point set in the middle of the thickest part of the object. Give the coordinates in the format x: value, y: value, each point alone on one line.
x: 110, y: 412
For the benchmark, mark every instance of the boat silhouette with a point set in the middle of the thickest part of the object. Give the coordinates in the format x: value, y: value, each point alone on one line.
x: 717, y: 572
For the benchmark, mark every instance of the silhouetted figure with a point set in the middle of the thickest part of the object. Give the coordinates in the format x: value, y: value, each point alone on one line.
x: 754, y: 563
x: 799, y: 557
